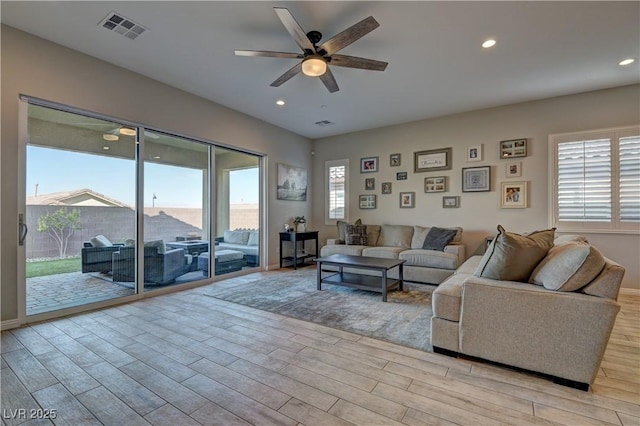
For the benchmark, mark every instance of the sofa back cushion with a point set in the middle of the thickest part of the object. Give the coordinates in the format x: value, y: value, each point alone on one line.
x: 373, y: 234
x: 568, y: 267
x: 236, y: 237
x: 420, y: 234
x: 158, y: 245
x: 254, y: 238
x: 512, y: 257
x: 101, y: 241
x: 608, y: 282
x: 395, y: 236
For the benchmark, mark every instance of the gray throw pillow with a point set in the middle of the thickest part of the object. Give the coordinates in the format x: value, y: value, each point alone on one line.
x: 512, y: 257
x: 568, y: 267
x: 356, y: 235
x: 438, y: 238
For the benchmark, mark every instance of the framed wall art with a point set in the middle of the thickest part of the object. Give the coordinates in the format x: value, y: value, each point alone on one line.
x: 435, y: 184
x: 370, y: 184
x: 451, y: 202
x: 394, y: 160
x: 369, y: 165
x: 476, y: 179
x: 432, y: 160
x: 401, y: 176
x: 474, y: 153
x: 513, y: 148
x: 386, y: 187
x: 292, y: 183
x: 513, y: 169
x: 407, y: 200
x: 513, y: 195
x: 367, y: 202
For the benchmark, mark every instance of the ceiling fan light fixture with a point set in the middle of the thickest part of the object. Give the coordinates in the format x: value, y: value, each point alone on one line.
x: 314, y: 66
x: 110, y: 137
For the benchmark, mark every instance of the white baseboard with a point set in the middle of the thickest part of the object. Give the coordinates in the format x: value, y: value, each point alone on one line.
x: 630, y: 291
x: 9, y: 324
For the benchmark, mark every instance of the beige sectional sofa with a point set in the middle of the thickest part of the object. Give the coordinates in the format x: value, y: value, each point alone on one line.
x: 404, y: 242
x: 557, y: 321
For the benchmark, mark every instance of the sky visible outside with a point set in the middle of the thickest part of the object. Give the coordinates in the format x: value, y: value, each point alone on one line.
x: 58, y: 171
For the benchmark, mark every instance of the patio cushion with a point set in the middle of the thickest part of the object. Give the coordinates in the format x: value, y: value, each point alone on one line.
x: 101, y: 241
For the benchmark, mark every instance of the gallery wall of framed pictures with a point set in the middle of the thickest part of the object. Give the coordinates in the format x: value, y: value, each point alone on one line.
x: 475, y: 177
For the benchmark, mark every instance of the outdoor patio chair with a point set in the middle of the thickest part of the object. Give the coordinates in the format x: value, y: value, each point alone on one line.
x: 97, y: 259
x: 159, y: 268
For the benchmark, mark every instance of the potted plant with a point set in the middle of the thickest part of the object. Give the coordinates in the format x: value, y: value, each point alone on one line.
x: 300, y: 223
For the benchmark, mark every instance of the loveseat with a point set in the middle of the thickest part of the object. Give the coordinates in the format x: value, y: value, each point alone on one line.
x: 96, y: 254
x: 425, y: 262
x: 532, y: 303
x: 244, y: 240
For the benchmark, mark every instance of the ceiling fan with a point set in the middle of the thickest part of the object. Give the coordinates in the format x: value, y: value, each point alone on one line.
x: 315, y: 59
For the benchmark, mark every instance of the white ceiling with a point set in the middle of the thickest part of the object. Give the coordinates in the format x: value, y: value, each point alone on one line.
x: 436, y: 64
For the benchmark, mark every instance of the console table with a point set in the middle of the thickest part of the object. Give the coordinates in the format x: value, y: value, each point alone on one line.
x: 295, y: 238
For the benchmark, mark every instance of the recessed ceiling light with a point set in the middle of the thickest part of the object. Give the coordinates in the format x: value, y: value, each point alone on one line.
x: 627, y: 61
x: 157, y: 157
x: 110, y: 137
x: 127, y: 131
x: 489, y: 43
x: 280, y: 102
x: 106, y: 148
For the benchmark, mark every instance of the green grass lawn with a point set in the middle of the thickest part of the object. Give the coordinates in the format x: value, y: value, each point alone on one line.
x: 53, y: 267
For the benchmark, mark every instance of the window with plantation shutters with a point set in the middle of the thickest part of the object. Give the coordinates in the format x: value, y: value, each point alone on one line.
x: 336, y: 177
x: 596, y: 180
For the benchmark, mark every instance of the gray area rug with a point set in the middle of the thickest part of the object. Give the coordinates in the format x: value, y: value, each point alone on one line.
x: 404, y: 319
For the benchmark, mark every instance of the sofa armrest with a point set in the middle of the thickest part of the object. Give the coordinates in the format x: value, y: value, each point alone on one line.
x: 459, y: 250
x: 527, y: 326
x: 333, y: 242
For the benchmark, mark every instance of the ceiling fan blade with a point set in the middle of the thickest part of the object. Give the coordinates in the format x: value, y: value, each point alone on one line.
x: 294, y: 28
x: 287, y: 75
x: 355, y: 62
x: 269, y: 54
x: 329, y: 81
x: 349, y: 35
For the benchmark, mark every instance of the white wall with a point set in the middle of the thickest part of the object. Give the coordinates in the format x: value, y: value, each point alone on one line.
x: 36, y: 67
x: 479, y: 213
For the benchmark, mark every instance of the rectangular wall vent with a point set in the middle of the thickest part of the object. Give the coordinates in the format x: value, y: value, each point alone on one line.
x: 324, y: 123
x: 124, y: 26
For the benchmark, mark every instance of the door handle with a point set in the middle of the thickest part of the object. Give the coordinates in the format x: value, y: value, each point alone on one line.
x: 22, y: 229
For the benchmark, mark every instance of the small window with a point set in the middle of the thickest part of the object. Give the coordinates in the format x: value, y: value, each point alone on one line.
x: 336, y: 194
x: 596, y: 180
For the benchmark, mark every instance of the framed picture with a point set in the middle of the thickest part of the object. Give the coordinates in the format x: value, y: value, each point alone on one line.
x: 394, y: 160
x: 474, y: 153
x: 292, y: 183
x: 386, y: 187
x: 369, y: 184
x: 513, y: 195
x: 401, y: 176
x: 407, y: 200
x: 513, y: 148
x: 514, y: 169
x: 432, y: 160
x: 367, y: 202
x: 476, y: 179
x: 451, y: 202
x: 435, y: 184
x: 369, y: 165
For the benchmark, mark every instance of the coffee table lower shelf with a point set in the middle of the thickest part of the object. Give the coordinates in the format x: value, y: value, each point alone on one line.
x: 361, y: 282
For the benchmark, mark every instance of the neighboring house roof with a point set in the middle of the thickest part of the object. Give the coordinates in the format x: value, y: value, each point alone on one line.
x: 79, y: 197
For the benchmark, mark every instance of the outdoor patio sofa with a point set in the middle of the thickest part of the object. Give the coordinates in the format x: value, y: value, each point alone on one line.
x: 245, y: 240
x: 160, y: 266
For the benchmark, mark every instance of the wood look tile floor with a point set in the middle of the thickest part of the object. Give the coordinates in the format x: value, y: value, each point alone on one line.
x: 187, y: 359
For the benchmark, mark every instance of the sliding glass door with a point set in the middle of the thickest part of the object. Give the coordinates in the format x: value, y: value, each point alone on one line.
x: 80, y: 208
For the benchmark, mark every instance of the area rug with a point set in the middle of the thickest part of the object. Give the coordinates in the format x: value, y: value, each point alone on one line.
x: 404, y: 319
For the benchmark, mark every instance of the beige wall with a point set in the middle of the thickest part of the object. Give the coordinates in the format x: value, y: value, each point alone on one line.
x: 39, y: 68
x: 479, y: 213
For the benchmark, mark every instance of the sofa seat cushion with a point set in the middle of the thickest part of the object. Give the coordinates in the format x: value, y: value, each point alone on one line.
x: 383, y: 252
x: 250, y: 250
x: 469, y: 266
x: 429, y: 258
x: 330, y: 249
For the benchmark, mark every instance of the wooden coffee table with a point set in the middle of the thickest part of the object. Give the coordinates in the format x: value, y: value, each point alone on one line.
x: 380, y: 284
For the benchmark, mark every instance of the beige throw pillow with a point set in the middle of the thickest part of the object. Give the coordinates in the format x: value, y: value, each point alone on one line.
x: 568, y: 267
x: 512, y: 257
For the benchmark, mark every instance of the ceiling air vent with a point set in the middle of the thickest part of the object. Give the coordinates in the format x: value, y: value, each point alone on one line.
x: 324, y: 123
x: 124, y: 26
